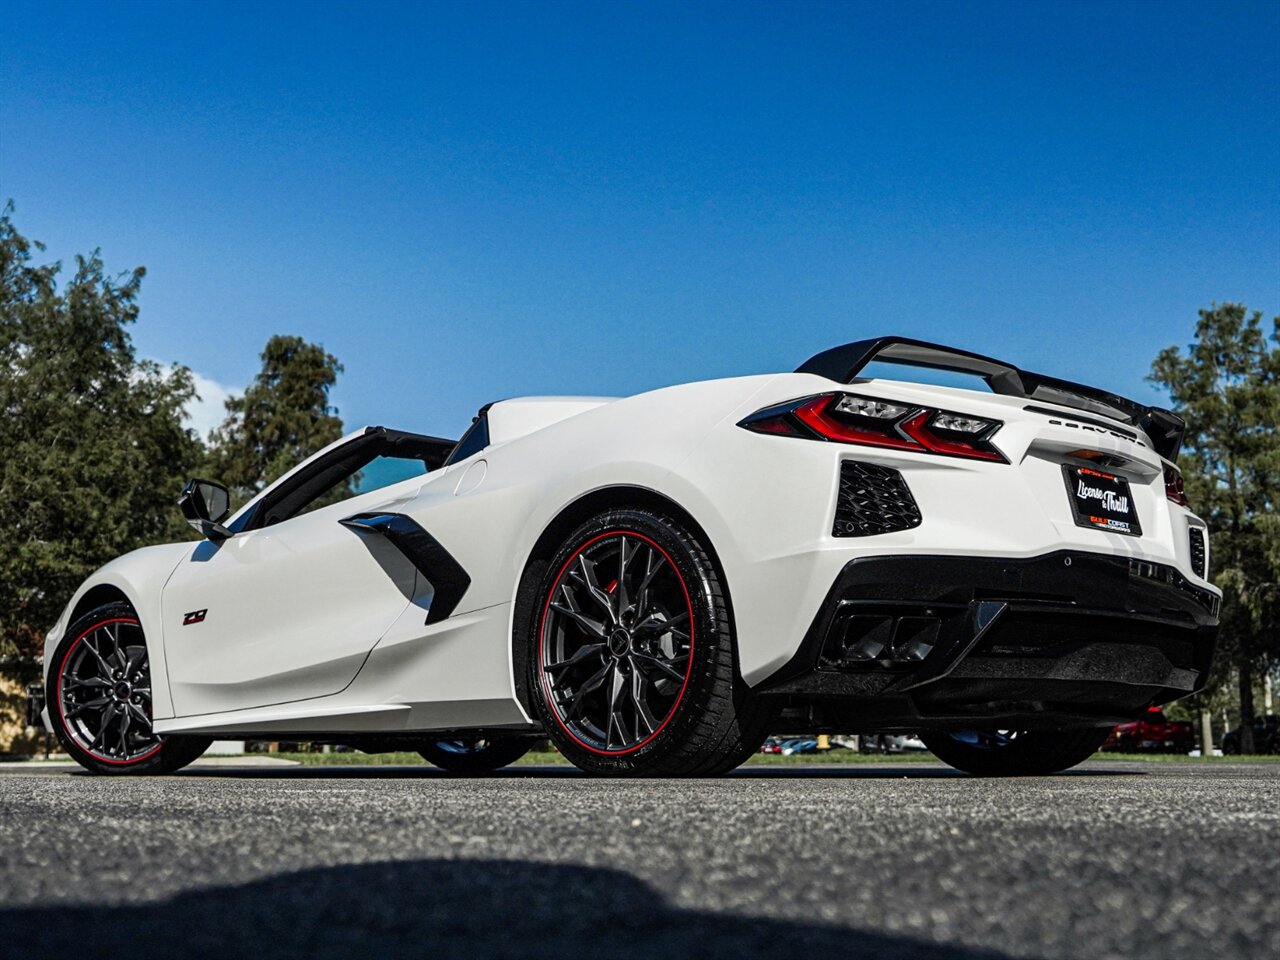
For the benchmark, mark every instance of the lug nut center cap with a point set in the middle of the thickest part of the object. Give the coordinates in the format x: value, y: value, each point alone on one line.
x: 122, y: 690
x: 620, y: 642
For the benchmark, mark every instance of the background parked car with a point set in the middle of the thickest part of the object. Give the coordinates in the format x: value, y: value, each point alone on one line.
x: 892, y: 743
x: 1154, y: 733
x: 801, y: 745
x: 1266, y: 736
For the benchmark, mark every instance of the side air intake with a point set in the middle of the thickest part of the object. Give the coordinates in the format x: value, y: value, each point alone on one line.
x: 872, y: 500
x: 1195, y: 537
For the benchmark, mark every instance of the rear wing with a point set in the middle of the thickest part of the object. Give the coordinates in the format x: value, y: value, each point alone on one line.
x: 843, y: 364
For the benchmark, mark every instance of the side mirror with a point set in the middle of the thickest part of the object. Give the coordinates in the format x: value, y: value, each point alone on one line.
x: 206, y: 504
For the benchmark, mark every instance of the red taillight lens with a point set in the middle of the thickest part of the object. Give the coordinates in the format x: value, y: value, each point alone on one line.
x: 1173, y: 488
x: 846, y: 418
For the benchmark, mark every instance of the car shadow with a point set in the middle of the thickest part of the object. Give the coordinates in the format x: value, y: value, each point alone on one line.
x: 861, y: 771
x: 439, y: 908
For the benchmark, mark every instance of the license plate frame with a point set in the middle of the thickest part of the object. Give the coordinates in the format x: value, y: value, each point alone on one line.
x: 1101, y: 500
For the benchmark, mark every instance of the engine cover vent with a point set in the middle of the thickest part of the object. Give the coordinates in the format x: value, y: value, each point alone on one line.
x: 873, y: 500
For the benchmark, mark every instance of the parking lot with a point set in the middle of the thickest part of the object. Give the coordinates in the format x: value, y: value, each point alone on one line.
x: 898, y: 860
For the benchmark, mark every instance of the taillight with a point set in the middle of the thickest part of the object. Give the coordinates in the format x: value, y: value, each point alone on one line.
x: 1173, y: 488
x: 847, y: 418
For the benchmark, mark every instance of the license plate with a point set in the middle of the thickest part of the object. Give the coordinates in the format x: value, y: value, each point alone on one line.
x: 1101, y: 501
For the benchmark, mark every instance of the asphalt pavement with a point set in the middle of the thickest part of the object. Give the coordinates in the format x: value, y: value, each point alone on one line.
x: 1160, y: 860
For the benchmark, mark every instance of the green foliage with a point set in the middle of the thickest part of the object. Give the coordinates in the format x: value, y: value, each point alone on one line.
x: 1227, y: 387
x: 283, y: 418
x: 94, y: 447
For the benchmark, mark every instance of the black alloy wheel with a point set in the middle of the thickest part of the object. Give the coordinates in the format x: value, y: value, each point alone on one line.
x: 99, y: 697
x: 617, y: 642
x: 474, y: 754
x: 632, y: 668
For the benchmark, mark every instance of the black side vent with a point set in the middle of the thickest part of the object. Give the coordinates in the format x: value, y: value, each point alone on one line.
x: 1196, y: 538
x: 873, y: 499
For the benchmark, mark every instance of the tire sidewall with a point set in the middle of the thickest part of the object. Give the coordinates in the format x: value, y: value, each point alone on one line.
x: 697, y: 576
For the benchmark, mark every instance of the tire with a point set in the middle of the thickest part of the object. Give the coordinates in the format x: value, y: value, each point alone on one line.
x: 1014, y: 753
x: 99, y: 696
x: 1230, y: 746
x: 474, y: 754
x: 632, y: 671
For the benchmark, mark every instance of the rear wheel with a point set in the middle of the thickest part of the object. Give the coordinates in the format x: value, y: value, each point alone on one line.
x: 1014, y: 753
x: 632, y: 665
x: 474, y: 754
x: 99, y: 697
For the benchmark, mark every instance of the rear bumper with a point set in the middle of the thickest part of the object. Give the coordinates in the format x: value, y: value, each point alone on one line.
x: 1068, y: 637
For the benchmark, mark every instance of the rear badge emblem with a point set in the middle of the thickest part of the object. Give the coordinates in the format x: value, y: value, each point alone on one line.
x: 195, y: 616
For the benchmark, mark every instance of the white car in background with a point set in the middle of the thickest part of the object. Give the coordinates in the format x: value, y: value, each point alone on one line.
x: 656, y: 582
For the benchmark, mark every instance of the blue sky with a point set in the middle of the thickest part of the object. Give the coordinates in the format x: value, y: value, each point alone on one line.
x: 466, y: 202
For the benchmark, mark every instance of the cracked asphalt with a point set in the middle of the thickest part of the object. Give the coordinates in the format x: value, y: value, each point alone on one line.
x: 1160, y: 860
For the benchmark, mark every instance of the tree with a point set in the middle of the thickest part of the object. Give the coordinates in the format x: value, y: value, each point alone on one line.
x: 1227, y: 387
x: 283, y: 418
x: 94, y: 447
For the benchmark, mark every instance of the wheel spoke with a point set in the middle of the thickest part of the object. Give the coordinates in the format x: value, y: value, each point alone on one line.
x: 662, y: 666
x: 137, y: 657
x: 584, y: 652
x: 140, y: 715
x: 593, y: 627
x: 126, y: 720
x: 652, y: 622
x: 621, y: 591
x: 97, y: 655
x: 586, y: 573
x: 72, y: 683
x: 639, y: 701
x: 104, y: 724
x: 651, y: 569
x: 577, y: 699
x: 80, y: 708
x: 618, y: 683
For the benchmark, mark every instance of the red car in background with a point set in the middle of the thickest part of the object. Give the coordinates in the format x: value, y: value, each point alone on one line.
x: 1153, y: 733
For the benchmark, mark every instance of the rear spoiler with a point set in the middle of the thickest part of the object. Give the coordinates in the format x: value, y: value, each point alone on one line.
x: 843, y: 364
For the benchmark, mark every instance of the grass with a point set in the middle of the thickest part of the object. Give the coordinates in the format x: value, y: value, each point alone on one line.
x: 1182, y: 758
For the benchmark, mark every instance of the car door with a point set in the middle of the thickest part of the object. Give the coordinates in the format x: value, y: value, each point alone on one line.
x: 289, y: 607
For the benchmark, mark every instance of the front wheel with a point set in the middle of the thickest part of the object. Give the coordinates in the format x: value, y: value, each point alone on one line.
x: 1014, y: 753
x: 99, y: 697
x: 632, y: 658
x: 474, y: 754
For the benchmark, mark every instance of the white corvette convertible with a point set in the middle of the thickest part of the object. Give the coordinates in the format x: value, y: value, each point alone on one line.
x: 658, y: 582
